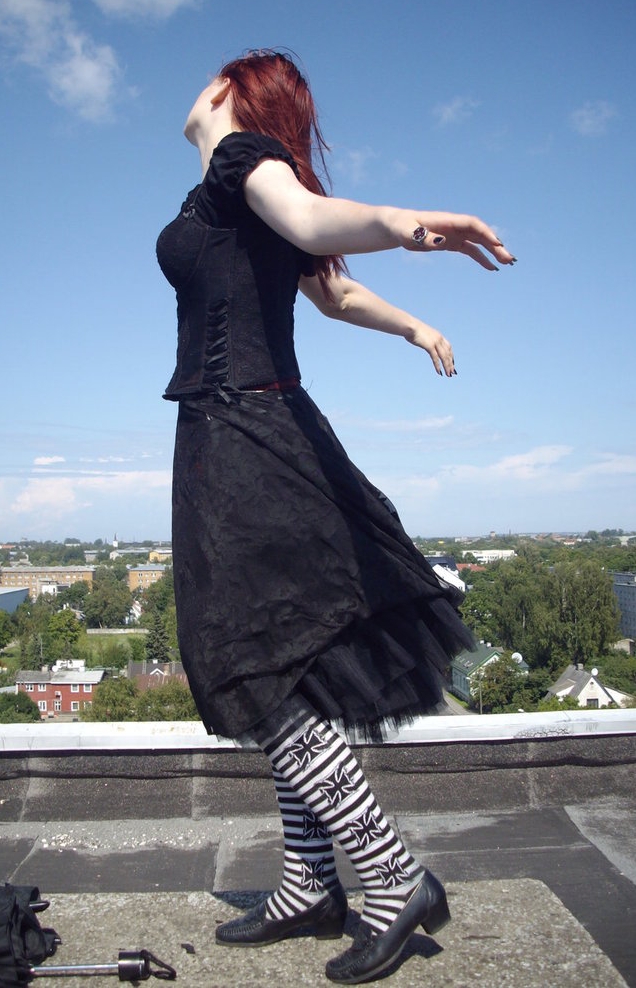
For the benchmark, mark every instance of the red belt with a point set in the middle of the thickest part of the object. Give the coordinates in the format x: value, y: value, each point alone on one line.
x: 285, y: 385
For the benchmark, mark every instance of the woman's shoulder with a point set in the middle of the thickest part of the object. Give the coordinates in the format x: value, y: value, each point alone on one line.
x: 238, y: 153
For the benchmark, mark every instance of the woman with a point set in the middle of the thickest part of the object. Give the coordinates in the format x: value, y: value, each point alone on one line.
x: 300, y: 598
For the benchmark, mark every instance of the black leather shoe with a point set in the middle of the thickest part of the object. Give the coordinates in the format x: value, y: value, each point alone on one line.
x: 372, y: 953
x: 325, y: 920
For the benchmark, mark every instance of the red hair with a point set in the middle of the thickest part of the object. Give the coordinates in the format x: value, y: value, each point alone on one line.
x: 270, y: 96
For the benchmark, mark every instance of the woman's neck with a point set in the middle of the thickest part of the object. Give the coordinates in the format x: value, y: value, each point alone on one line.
x: 210, y: 141
x: 208, y: 130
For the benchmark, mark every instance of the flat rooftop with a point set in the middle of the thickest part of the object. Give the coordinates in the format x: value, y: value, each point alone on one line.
x: 148, y: 835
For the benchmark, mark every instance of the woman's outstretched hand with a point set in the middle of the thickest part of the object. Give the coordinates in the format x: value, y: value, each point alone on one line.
x: 437, y: 346
x: 454, y: 231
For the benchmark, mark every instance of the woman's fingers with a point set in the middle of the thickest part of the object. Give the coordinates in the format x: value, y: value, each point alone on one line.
x: 461, y: 234
x: 472, y: 250
x: 437, y: 346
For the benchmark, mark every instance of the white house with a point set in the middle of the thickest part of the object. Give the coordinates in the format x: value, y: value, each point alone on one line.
x: 587, y: 688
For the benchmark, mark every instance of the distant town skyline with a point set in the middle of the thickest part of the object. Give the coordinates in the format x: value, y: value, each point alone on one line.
x: 623, y: 536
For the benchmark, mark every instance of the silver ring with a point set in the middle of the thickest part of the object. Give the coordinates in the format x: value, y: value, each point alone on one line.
x: 419, y: 235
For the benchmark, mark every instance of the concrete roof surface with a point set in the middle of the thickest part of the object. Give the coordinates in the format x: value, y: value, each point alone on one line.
x: 534, y: 838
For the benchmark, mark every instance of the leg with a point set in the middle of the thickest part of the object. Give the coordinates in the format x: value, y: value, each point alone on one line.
x: 309, y: 867
x: 321, y: 769
x: 309, y: 897
x: 399, y: 894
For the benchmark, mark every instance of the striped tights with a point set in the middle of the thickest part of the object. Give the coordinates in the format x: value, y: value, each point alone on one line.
x: 323, y: 794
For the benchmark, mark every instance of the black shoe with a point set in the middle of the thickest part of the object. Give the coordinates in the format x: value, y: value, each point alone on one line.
x: 372, y: 953
x: 325, y: 920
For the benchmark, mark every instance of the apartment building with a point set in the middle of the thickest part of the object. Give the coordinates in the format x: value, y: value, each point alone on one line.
x: 141, y: 577
x: 44, y: 579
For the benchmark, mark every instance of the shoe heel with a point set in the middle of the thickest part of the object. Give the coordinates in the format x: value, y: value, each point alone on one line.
x: 439, y: 913
x: 330, y: 926
x: 330, y: 929
x: 438, y: 916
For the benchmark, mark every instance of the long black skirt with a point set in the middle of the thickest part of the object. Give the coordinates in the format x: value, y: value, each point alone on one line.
x: 293, y: 573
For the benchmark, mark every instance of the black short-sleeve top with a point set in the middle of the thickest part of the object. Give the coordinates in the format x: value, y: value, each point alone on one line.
x: 236, y: 279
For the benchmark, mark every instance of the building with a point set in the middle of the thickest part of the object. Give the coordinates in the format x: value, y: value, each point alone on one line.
x: 468, y: 668
x: 141, y: 577
x: 587, y: 688
x: 486, y: 556
x: 65, y: 689
x: 147, y: 675
x: 625, y: 590
x: 160, y: 553
x: 442, y: 559
x: 10, y: 599
x: 44, y: 579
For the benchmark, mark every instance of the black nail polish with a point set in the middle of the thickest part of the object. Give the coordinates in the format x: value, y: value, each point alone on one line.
x: 438, y: 240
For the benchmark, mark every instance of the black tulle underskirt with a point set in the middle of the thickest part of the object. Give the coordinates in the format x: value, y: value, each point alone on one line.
x: 294, y: 574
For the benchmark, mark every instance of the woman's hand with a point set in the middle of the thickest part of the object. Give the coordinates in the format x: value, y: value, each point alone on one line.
x: 351, y: 302
x: 437, y: 346
x: 424, y: 231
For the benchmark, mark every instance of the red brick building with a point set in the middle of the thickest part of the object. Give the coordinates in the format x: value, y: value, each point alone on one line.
x: 59, y: 691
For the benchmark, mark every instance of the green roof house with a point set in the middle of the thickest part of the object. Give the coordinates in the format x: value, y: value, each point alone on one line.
x: 467, y: 668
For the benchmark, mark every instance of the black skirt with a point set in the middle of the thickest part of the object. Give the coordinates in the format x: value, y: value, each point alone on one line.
x: 293, y: 573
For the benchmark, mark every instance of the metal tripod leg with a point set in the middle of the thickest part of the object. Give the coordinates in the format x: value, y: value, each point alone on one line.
x: 133, y: 965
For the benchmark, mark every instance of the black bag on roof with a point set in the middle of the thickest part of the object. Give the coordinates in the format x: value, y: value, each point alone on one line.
x: 23, y: 942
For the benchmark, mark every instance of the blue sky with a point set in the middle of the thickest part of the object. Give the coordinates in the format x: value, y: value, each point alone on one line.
x: 523, y: 113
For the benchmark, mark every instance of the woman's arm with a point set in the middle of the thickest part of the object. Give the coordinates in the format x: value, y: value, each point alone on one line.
x: 323, y: 225
x: 353, y: 303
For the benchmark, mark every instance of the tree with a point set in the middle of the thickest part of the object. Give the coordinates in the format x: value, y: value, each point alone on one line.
x: 109, y: 654
x: 137, y: 647
x: 172, y: 701
x: 481, y: 607
x: 62, y: 636
x: 114, y: 700
x: 7, y: 630
x: 553, y: 615
x: 160, y: 594
x: 170, y: 624
x: 618, y: 670
x: 157, y: 641
x: 588, y: 612
x: 75, y: 595
x: 18, y: 708
x: 109, y: 602
x: 496, y: 685
x: 32, y: 621
x: 558, y: 703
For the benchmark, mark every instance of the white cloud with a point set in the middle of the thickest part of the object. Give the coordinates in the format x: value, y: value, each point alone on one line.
x: 457, y: 110
x: 591, y: 119
x: 44, y: 461
x: 57, y: 497
x: 108, y: 459
x: 86, y: 78
x: 548, y: 487
x: 354, y: 163
x: 613, y: 464
x: 541, y: 470
x: 82, y: 75
x: 527, y: 466
x: 413, y: 425
x: 142, y: 8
